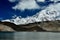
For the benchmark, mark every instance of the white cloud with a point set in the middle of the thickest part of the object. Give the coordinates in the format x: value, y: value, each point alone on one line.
x: 26, y: 4
x: 12, y: 0
x: 40, y: 0
x: 55, y: 0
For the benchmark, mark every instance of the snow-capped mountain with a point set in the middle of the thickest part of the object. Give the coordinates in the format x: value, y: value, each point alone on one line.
x: 52, y: 12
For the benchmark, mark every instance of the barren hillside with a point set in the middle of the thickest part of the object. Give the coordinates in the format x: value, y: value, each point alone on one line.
x: 37, y: 26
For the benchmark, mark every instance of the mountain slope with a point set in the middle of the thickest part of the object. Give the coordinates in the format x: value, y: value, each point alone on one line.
x: 37, y: 26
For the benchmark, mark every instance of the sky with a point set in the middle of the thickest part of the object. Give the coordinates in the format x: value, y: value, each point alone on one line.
x: 9, y: 8
x: 29, y: 11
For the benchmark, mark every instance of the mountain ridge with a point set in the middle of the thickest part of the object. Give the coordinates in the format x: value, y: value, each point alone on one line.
x: 37, y: 26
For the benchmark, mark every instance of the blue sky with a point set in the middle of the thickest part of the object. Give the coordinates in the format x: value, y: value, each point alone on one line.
x: 6, y: 11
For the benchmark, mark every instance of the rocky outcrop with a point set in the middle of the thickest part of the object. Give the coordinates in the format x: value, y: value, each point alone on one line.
x: 5, y: 27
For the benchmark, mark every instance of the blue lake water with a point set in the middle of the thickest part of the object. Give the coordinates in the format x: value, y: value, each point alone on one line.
x: 29, y: 36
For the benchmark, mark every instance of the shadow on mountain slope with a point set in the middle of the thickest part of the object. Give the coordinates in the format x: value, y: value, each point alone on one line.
x: 37, y: 26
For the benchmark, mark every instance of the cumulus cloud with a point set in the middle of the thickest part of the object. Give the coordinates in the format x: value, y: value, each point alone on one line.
x: 12, y: 0
x: 26, y: 4
x: 40, y: 0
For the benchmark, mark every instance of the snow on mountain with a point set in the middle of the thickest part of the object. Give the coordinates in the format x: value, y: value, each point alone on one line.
x: 50, y: 13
